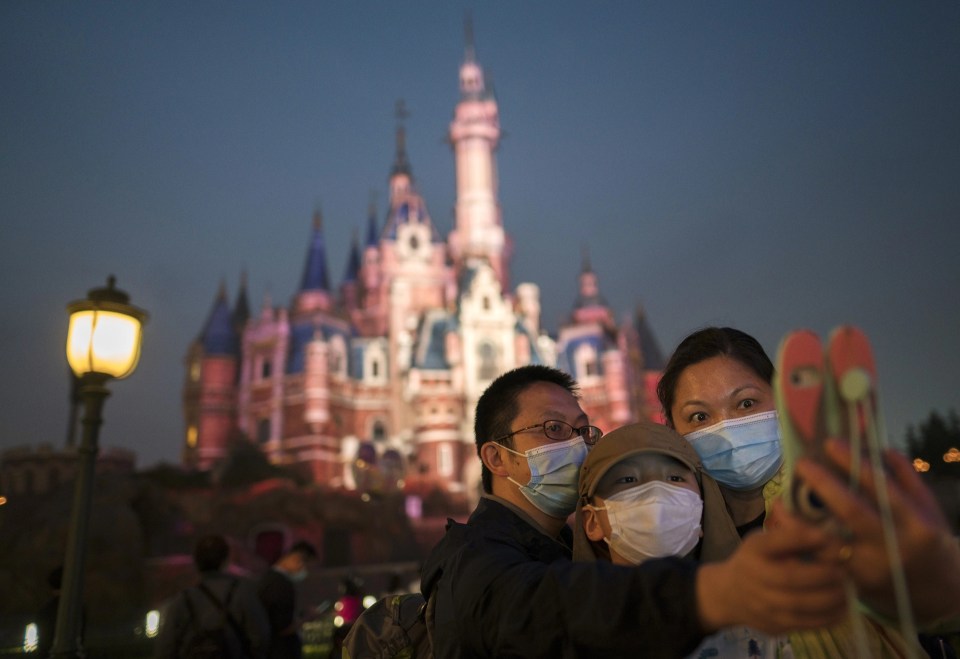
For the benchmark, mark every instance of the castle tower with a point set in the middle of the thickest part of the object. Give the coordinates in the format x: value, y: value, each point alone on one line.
x: 590, y: 305
x: 369, y: 280
x: 413, y: 272
x: 474, y: 135
x: 314, y: 293
x: 210, y: 395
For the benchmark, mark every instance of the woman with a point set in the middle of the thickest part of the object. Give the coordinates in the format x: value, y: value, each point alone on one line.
x: 643, y: 494
x: 716, y: 391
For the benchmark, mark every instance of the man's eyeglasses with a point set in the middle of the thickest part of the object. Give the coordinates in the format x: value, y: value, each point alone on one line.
x: 560, y: 431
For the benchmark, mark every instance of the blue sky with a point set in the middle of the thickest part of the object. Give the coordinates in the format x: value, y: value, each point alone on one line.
x: 763, y: 165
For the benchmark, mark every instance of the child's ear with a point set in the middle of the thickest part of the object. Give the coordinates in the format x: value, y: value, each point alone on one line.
x: 591, y: 524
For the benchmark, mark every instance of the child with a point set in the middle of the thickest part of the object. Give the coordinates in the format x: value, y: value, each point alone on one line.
x: 644, y: 494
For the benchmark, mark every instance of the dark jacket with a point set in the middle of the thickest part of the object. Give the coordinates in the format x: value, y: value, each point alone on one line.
x: 279, y: 597
x: 177, y: 623
x: 504, y: 589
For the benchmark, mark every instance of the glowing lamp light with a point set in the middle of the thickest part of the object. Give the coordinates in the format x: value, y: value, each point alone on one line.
x: 152, y: 626
x: 953, y: 455
x: 369, y: 601
x: 921, y: 465
x: 105, y: 333
x: 31, y: 641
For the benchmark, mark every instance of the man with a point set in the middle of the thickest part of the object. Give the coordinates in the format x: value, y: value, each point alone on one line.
x: 220, y: 616
x: 503, y: 583
x: 279, y: 597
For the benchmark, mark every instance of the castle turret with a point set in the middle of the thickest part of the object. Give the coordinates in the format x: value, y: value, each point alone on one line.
x: 590, y: 306
x: 210, y: 395
x: 474, y: 135
x: 314, y: 293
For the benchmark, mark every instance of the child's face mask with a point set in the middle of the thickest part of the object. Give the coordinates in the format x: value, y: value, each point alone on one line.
x: 653, y: 520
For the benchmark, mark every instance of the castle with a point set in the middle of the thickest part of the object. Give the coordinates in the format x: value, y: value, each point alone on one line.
x: 373, y: 384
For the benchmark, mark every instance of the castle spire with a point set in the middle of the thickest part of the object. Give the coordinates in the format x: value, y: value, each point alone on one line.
x: 401, y: 165
x: 353, y: 260
x: 589, y: 294
x: 372, y: 222
x: 478, y: 233
x: 219, y: 337
x: 241, y: 307
x: 315, y: 270
x: 468, y: 55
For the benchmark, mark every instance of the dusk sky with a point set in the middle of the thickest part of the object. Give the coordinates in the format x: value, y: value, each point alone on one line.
x: 764, y: 165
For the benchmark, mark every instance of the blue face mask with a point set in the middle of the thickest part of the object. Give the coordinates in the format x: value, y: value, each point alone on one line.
x: 298, y: 576
x: 554, y: 474
x: 741, y: 453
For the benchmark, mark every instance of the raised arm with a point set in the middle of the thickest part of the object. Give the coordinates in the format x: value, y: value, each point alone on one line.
x: 772, y: 584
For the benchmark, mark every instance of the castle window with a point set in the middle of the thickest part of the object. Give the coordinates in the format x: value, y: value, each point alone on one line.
x: 338, y: 356
x: 488, y: 361
x: 486, y: 303
x: 263, y: 431
x: 445, y: 460
x: 192, y: 436
x: 585, y: 361
x: 266, y: 369
x: 379, y: 432
x: 375, y: 368
x: 194, y: 371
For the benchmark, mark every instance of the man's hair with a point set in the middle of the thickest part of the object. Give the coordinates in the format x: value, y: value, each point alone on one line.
x: 498, y: 407
x: 304, y: 548
x: 210, y: 553
x: 703, y: 345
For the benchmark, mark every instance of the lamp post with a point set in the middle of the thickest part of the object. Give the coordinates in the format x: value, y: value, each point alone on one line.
x: 103, y: 342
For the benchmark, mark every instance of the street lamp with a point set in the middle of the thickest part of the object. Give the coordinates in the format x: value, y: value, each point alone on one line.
x: 103, y: 342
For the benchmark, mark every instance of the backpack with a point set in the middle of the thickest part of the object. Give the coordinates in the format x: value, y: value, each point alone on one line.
x: 394, y: 627
x: 211, y: 643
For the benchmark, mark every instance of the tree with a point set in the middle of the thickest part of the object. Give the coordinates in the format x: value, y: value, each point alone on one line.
x: 246, y: 464
x: 933, y: 440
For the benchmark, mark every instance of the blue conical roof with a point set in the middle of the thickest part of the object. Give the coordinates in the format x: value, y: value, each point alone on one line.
x: 372, y: 227
x: 315, y: 271
x: 652, y: 357
x: 219, y: 336
x: 353, y: 262
x: 241, y: 307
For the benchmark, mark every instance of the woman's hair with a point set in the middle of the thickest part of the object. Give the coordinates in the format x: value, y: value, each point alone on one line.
x: 704, y: 344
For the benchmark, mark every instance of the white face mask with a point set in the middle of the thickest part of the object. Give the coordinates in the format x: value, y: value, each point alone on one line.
x: 554, y: 472
x: 653, y: 520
